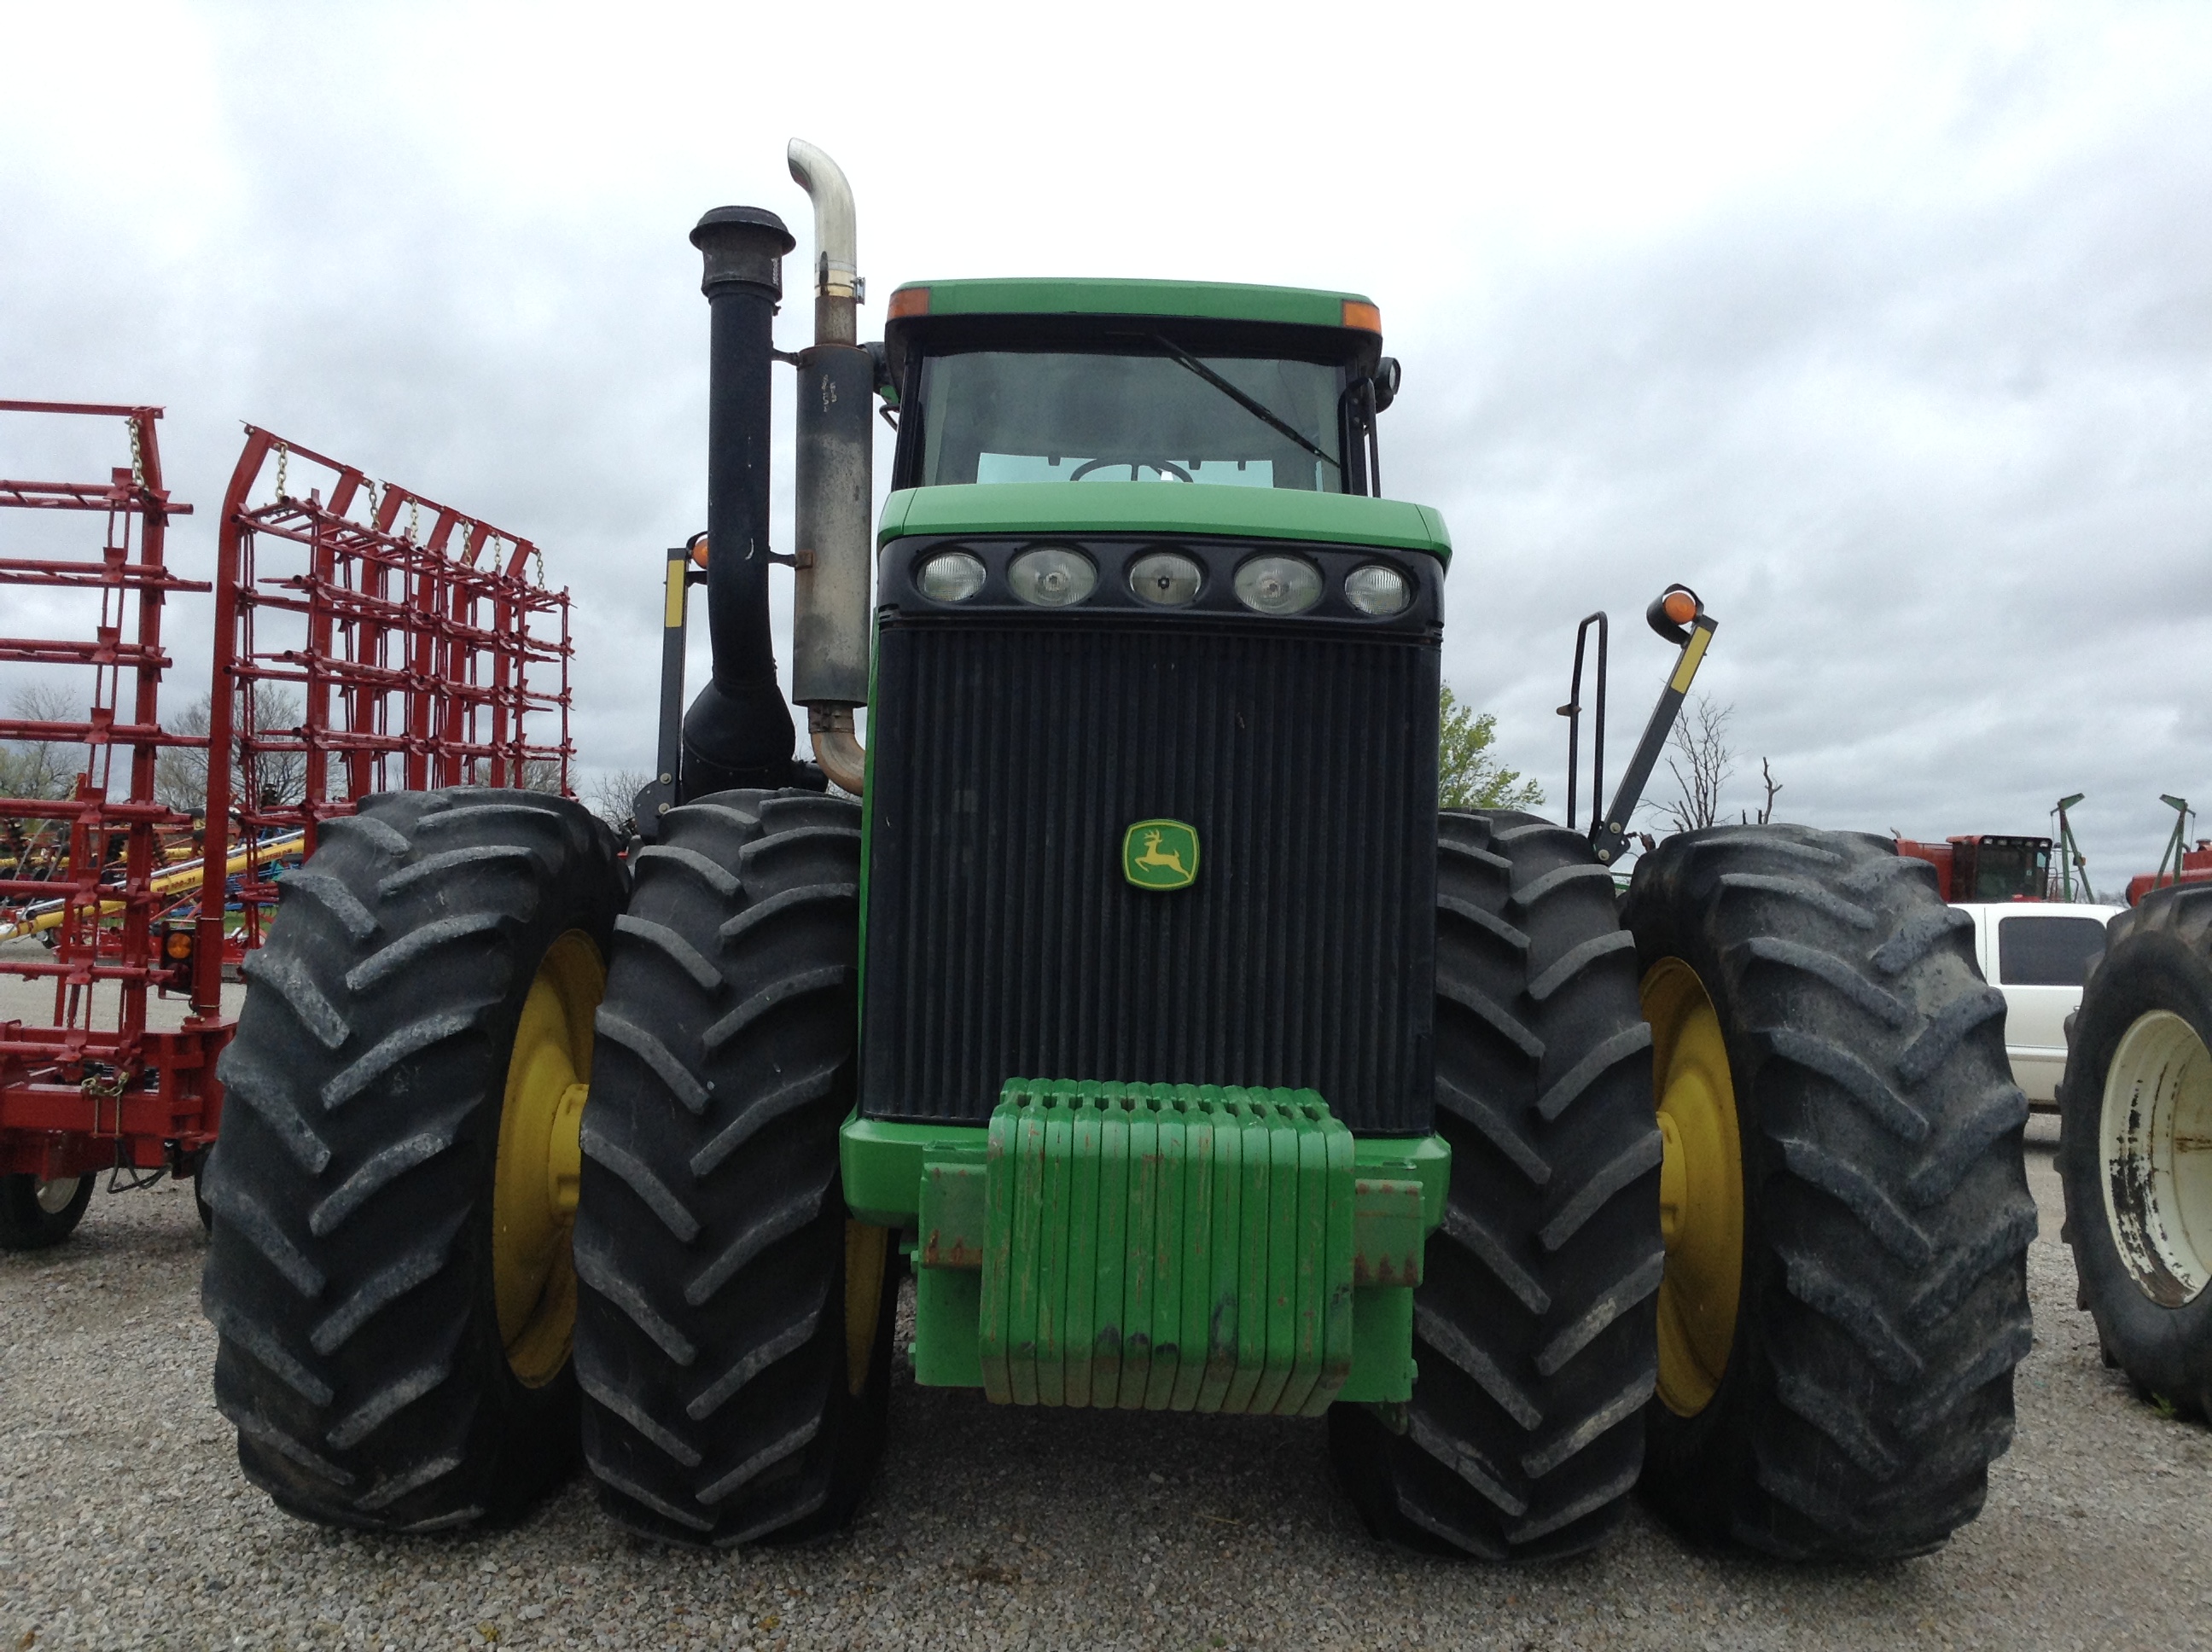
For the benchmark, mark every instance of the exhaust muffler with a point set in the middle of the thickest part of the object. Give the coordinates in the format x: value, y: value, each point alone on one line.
x: 835, y: 489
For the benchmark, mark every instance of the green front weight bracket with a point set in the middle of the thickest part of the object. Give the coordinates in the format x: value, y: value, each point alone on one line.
x: 1158, y: 1246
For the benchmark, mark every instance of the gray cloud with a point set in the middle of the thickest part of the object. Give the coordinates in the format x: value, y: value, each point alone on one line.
x: 1936, y: 461
x: 1890, y: 337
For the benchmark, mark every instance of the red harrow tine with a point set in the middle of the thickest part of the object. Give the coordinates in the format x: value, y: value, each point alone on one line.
x: 421, y: 656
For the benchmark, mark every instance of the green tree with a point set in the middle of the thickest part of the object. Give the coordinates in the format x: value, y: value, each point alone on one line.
x: 1467, y: 776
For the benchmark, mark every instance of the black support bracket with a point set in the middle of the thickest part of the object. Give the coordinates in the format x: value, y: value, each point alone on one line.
x: 1678, y: 615
x: 661, y: 793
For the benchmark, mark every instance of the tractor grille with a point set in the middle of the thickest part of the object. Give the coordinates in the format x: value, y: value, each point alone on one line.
x: 1009, y: 760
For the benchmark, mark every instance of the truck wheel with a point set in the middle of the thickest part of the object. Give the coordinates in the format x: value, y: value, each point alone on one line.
x: 389, y: 1271
x: 2135, y: 1154
x: 1845, y: 1206
x: 1532, y: 1325
x: 35, y: 1213
x: 733, y: 1340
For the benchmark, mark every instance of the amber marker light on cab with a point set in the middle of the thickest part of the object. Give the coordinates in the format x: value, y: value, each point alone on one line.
x: 1359, y: 312
x: 909, y: 300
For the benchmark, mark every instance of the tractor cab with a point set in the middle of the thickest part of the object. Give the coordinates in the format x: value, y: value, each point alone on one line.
x: 1203, y: 384
x: 1985, y: 866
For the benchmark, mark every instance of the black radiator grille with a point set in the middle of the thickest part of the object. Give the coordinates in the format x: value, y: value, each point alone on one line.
x: 1003, y: 939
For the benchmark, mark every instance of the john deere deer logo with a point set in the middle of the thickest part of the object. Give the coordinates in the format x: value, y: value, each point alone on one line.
x: 1160, y: 854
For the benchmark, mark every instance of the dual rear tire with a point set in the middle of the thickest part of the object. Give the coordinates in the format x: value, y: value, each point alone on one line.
x: 1791, y: 1310
x: 397, y: 1273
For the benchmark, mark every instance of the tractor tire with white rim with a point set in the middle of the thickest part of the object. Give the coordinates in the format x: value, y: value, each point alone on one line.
x: 1845, y: 1204
x: 35, y: 1213
x: 389, y: 1271
x: 2135, y: 1154
x: 733, y: 1337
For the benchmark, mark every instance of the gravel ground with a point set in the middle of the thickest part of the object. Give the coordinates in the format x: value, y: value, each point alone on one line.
x: 123, y: 1522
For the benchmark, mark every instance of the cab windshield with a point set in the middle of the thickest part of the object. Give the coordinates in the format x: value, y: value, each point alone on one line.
x: 1072, y: 416
x: 2009, y: 872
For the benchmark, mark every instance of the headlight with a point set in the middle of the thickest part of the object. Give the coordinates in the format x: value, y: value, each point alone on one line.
x: 1375, y: 589
x: 954, y: 576
x: 1165, y: 580
x: 1052, y: 576
x: 1278, y: 585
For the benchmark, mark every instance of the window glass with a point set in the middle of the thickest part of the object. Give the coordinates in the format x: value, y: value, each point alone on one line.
x: 2034, y: 951
x: 2002, y: 870
x: 1074, y: 416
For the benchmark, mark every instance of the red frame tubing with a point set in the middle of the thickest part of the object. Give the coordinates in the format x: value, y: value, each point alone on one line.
x: 411, y: 654
x: 77, y: 1096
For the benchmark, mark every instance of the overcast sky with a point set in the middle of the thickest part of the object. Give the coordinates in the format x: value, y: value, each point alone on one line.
x: 1888, y: 328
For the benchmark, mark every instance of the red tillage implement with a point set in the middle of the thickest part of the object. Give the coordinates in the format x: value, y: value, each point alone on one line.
x: 81, y: 1094
x: 421, y: 653
x: 413, y: 651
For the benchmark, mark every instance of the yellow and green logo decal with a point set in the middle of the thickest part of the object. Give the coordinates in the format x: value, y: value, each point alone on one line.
x: 1161, y: 855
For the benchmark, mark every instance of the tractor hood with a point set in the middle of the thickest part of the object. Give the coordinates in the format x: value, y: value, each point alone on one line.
x: 1163, y: 508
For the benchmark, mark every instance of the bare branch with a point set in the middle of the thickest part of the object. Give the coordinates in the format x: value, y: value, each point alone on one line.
x: 1700, y: 764
x: 613, y: 792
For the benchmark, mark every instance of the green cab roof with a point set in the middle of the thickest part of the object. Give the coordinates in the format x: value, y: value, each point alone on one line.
x: 1163, y: 508
x: 1217, y: 300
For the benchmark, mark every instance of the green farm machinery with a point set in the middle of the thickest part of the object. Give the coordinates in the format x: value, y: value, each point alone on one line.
x: 1128, y: 991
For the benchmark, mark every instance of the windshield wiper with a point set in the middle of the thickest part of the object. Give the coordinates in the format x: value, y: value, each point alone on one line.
x: 1257, y: 409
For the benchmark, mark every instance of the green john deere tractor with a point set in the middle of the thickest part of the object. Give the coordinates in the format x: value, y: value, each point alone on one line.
x: 1130, y: 992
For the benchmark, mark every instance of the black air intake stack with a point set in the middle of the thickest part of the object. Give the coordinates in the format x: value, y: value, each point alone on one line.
x: 739, y: 731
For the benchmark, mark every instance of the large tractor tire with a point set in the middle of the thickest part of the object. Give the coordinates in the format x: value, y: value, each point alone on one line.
x: 389, y: 1268
x: 2135, y: 1154
x: 733, y: 1341
x: 35, y: 1213
x: 1845, y: 1204
x: 1532, y: 1325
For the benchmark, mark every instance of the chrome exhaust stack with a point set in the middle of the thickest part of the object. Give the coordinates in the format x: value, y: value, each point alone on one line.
x: 835, y: 485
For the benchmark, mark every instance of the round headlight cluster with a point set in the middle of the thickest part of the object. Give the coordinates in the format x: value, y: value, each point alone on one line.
x: 1060, y: 576
x: 1165, y: 580
x: 951, y: 576
x: 1052, y: 576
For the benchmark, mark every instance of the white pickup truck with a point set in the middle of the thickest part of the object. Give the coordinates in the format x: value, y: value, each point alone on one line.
x: 2036, y: 953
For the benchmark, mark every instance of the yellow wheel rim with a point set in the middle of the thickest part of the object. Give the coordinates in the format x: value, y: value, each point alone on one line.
x: 865, y: 1256
x: 540, y: 1155
x: 1701, y: 1186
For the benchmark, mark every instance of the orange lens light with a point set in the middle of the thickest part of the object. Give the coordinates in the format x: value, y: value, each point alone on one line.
x: 1680, y: 607
x: 699, y: 550
x: 909, y: 300
x: 1358, y: 313
x: 178, y: 946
